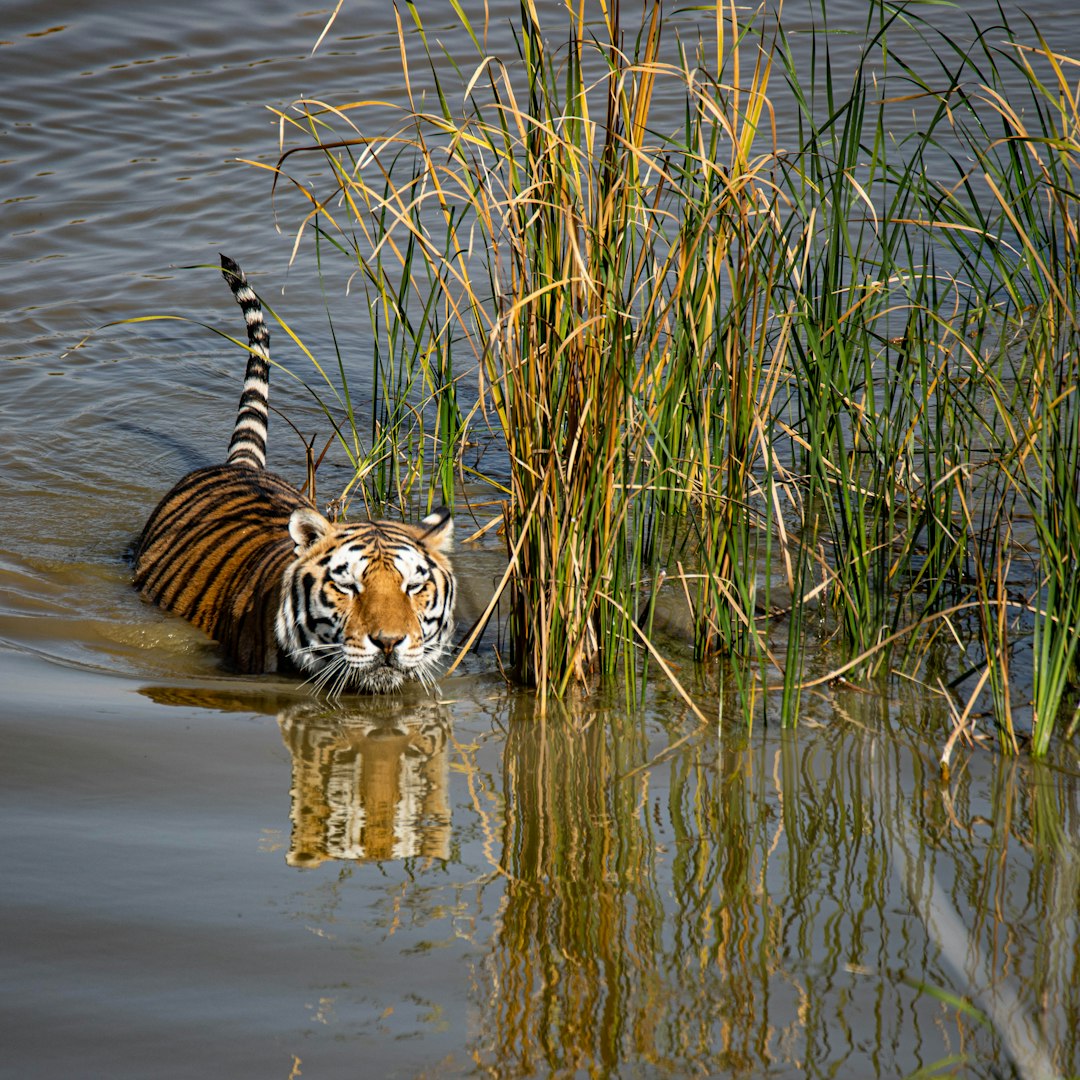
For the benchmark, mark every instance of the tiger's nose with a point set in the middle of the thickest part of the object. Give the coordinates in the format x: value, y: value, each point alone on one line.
x: 386, y: 642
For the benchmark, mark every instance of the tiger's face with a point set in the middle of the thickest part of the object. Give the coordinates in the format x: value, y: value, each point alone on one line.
x: 366, y: 606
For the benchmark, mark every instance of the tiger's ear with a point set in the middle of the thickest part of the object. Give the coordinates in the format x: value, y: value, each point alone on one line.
x: 307, y: 527
x: 439, y: 529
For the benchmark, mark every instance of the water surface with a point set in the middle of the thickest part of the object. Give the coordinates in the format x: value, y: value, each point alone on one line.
x: 216, y: 876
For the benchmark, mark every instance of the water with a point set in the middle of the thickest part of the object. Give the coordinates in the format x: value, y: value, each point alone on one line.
x: 207, y: 875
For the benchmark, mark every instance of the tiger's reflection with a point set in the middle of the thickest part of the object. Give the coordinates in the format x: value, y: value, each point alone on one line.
x: 368, y: 783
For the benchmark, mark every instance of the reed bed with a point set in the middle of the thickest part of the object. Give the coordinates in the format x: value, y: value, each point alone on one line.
x: 822, y: 387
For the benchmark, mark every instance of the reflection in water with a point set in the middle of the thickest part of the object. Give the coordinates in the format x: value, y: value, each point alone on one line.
x: 762, y: 906
x: 368, y: 783
x: 655, y: 899
x: 961, y: 949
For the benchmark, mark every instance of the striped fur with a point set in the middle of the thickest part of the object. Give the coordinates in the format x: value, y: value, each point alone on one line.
x: 247, y: 558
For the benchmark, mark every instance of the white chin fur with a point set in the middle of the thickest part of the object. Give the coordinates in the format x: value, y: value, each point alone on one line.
x: 377, y: 680
x: 340, y: 676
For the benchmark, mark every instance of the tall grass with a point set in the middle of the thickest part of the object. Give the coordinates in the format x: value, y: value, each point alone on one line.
x: 841, y: 370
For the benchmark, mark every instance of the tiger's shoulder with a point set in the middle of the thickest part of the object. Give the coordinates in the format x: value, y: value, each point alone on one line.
x: 215, y: 550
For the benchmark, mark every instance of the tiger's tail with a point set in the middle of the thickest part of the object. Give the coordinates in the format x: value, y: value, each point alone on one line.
x: 248, y: 443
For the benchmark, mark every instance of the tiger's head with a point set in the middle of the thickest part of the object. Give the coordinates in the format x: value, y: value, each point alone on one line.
x: 366, y: 606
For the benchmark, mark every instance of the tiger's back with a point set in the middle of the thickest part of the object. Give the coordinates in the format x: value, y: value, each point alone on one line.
x: 243, y: 555
x: 214, y: 551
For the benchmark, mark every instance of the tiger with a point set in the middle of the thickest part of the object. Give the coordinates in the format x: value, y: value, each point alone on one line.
x: 246, y: 557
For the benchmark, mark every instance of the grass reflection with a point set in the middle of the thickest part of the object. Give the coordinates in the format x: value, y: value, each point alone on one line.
x: 736, y: 908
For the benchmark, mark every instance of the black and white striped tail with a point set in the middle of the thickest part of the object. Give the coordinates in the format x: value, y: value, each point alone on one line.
x: 248, y: 443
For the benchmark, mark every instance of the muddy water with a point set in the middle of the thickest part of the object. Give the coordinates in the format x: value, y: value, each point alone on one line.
x: 215, y: 876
